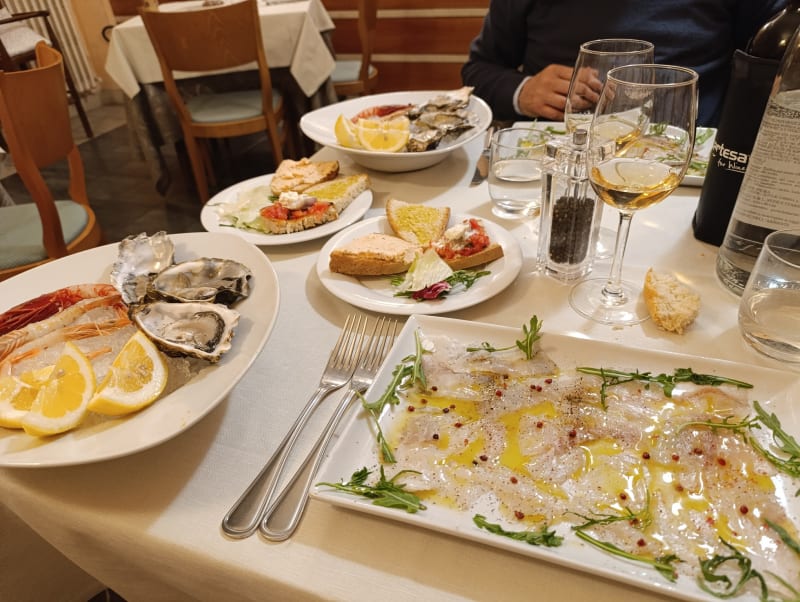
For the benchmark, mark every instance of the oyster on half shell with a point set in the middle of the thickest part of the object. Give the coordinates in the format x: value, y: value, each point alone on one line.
x: 195, y: 329
x: 138, y: 259
x: 207, y: 279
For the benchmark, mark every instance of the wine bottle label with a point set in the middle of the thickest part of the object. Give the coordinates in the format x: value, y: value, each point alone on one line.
x: 769, y: 194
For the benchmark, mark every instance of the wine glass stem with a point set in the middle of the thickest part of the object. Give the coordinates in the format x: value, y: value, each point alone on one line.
x: 612, y: 291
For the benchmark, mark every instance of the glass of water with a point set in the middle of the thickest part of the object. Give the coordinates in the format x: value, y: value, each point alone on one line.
x: 769, y: 312
x: 515, y: 171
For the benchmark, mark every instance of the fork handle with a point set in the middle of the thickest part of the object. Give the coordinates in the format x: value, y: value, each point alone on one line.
x: 284, y: 514
x: 244, y: 516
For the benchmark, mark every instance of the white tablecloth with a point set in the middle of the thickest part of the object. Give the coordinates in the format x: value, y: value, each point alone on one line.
x: 148, y: 525
x: 292, y: 38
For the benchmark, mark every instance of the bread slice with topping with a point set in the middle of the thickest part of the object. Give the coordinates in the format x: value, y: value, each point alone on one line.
x: 297, y: 176
x: 417, y: 224
x: 341, y: 192
x: 673, y: 306
x: 373, y: 255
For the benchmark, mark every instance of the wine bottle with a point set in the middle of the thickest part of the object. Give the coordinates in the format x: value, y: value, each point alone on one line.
x: 752, y: 76
x: 769, y: 198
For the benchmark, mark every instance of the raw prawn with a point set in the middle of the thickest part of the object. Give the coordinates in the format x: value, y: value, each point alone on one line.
x: 48, y: 304
x: 33, y: 330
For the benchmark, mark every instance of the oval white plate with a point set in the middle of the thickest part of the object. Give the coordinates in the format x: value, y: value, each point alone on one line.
x: 210, y: 218
x: 177, y: 411
x: 376, y: 293
x: 318, y: 125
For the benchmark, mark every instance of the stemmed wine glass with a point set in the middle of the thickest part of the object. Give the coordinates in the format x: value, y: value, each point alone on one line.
x: 595, y: 59
x: 640, y: 142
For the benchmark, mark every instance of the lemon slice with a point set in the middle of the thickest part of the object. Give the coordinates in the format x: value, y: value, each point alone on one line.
x: 136, y: 378
x: 388, y: 136
x: 345, y: 131
x: 17, y: 394
x: 60, y: 404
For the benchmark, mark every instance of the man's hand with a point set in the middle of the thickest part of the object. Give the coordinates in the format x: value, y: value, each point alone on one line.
x: 545, y: 94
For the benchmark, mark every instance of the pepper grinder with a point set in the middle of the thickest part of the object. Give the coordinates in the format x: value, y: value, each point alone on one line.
x: 571, y: 212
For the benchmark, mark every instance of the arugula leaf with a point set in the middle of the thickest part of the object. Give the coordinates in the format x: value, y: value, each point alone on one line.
x: 525, y: 344
x: 783, y: 441
x: 386, y: 492
x: 742, y: 427
x: 667, y: 381
x: 641, y: 519
x: 466, y: 278
x: 542, y: 537
x: 663, y: 564
x: 784, y: 535
x: 710, y: 577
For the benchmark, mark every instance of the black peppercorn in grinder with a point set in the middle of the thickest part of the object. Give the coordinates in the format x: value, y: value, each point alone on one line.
x: 752, y: 75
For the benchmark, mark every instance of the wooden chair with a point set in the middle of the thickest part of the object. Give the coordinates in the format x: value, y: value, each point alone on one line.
x: 358, y: 77
x: 34, y: 113
x: 211, y: 39
x: 17, y: 49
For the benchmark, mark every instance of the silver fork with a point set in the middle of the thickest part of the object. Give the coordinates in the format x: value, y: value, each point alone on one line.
x: 284, y: 514
x: 244, y: 516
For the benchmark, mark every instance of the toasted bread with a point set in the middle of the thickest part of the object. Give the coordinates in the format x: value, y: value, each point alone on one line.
x: 673, y: 306
x: 341, y: 191
x: 490, y: 253
x: 286, y: 221
x: 373, y: 255
x: 297, y: 176
x: 417, y: 224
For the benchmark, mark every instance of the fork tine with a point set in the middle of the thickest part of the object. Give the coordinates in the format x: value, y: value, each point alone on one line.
x: 346, y: 352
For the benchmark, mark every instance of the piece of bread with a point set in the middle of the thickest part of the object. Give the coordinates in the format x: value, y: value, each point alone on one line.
x: 672, y: 306
x: 340, y: 191
x: 373, y: 255
x: 297, y: 176
x: 326, y: 212
x: 490, y: 253
x: 417, y: 224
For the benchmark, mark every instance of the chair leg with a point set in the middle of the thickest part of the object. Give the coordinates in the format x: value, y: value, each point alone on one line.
x: 198, y: 166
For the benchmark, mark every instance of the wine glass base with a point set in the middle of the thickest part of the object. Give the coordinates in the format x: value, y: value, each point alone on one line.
x: 589, y: 300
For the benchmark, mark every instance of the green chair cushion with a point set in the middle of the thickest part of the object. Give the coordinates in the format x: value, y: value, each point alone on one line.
x: 21, y: 231
x: 228, y: 106
x: 347, y: 71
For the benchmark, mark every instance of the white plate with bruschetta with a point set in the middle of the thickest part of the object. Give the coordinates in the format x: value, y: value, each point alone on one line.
x: 378, y: 293
x: 215, y: 214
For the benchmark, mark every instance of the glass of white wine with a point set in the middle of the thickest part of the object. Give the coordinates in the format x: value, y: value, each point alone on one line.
x: 595, y: 59
x: 641, y: 140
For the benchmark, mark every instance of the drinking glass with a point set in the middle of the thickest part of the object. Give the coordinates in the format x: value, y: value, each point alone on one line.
x: 645, y: 113
x: 769, y: 312
x: 515, y: 168
x: 595, y: 59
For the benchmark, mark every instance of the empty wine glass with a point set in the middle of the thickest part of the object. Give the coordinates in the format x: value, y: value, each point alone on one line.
x: 641, y: 140
x: 595, y: 59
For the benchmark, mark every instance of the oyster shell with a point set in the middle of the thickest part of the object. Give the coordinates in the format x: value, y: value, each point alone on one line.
x: 207, y: 279
x: 140, y: 257
x: 193, y: 329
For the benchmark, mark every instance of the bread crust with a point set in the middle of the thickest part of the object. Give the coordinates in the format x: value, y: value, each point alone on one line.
x: 300, y: 175
x: 672, y: 305
x: 490, y: 253
x: 373, y: 255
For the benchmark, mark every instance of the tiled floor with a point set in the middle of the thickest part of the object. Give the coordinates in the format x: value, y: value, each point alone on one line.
x: 120, y: 190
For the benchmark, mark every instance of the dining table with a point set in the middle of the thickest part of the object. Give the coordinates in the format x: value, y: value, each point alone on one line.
x: 147, y: 524
x: 297, y: 45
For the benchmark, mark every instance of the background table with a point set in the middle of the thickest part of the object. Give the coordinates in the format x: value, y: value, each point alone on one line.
x: 298, y: 52
x: 147, y: 525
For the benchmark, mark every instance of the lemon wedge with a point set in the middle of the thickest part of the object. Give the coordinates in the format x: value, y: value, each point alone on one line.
x: 136, y: 378
x: 345, y: 131
x: 61, y: 402
x: 17, y: 394
x: 389, y: 135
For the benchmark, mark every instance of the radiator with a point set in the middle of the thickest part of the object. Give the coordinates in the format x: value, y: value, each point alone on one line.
x: 63, y: 23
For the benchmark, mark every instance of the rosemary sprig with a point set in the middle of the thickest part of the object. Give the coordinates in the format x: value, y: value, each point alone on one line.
x: 531, y: 332
x: 542, y: 537
x: 386, y: 492
x: 667, y: 381
x: 710, y: 577
x: 663, y: 564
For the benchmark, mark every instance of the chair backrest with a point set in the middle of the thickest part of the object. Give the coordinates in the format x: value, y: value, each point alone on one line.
x: 35, y: 118
x: 208, y: 39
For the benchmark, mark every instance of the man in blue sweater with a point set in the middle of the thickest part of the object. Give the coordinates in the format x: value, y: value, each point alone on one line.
x: 521, y: 61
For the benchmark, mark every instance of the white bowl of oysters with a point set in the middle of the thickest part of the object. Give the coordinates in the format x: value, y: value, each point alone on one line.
x: 439, y: 123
